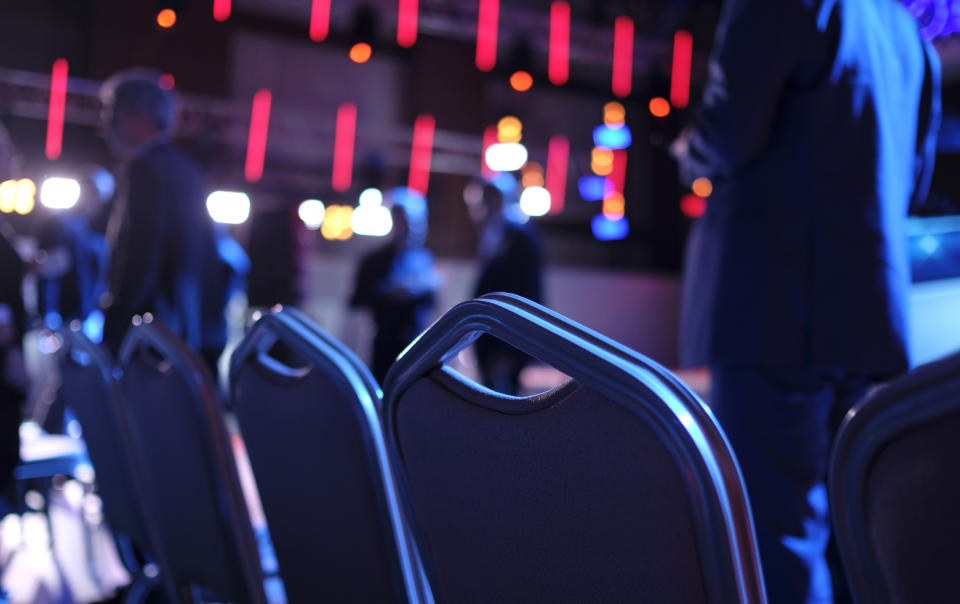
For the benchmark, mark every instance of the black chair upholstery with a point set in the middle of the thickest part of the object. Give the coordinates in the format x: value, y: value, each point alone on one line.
x: 90, y: 388
x: 895, y: 488
x: 190, y: 471
x: 310, y: 420
x: 616, y: 486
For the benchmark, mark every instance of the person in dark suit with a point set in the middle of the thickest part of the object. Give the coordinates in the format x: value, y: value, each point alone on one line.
x: 511, y: 261
x: 818, y: 130
x: 163, y: 249
x: 398, y: 281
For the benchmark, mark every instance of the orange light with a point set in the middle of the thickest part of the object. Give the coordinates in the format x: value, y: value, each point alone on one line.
x: 360, y: 52
x: 613, y: 206
x: 509, y: 130
x: 532, y: 175
x: 659, y: 107
x: 614, y: 113
x: 166, y: 18
x: 702, y: 187
x: 601, y: 162
x: 521, y: 81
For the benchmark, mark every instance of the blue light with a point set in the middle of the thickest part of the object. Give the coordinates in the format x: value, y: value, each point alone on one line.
x: 606, y: 137
x: 605, y: 229
x: 936, y: 17
x: 594, y: 188
x: 929, y: 244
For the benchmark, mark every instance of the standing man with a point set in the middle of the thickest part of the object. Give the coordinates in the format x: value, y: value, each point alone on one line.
x: 818, y: 130
x: 511, y: 261
x: 163, y: 251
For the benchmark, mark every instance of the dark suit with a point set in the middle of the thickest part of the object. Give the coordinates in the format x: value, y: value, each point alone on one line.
x: 164, y: 256
x: 514, y: 266
x: 818, y: 130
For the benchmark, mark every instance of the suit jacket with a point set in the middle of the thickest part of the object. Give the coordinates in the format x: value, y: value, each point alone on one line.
x: 818, y: 129
x: 164, y: 253
x: 516, y: 265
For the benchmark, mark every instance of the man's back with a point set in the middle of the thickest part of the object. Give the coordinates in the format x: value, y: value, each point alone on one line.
x: 818, y: 131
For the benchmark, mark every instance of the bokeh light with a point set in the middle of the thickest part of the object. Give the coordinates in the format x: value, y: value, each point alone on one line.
x: 659, y: 107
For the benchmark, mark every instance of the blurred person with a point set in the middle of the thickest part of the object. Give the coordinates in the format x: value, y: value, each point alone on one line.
x: 818, y: 130
x: 397, y: 282
x: 73, y: 265
x: 163, y: 249
x: 510, y: 256
x: 13, y: 325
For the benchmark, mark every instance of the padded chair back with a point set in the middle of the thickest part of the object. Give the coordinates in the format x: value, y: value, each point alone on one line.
x: 895, y: 488
x: 312, y: 427
x: 190, y: 473
x: 90, y: 387
x: 616, y: 486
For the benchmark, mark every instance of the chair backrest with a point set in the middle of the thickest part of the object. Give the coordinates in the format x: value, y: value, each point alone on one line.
x: 311, y: 424
x: 190, y: 470
x: 895, y: 488
x: 616, y: 486
x: 91, y: 389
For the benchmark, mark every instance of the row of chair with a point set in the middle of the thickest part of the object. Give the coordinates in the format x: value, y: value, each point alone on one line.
x: 616, y: 486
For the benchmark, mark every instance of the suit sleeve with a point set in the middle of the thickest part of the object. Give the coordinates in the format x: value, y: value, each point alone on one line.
x: 929, y: 127
x: 758, y: 45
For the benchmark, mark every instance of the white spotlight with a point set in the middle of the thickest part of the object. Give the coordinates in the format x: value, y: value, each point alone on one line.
x: 372, y: 220
x: 311, y: 212
x: 229, y: 207
x: 505, y: 157
x: 535, y: 201
x: 371, y: 197
x: 59, y: 193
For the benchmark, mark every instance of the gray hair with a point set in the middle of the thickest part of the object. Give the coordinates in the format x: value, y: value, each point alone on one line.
x: 138, y: 91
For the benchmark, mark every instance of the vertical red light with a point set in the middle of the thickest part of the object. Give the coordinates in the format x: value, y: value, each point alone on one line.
x: 559, y: 66
x: 420, y: 153
x: 58, y: 103
x: 488, y: 20
x: 680, y: 79
x: 319, y: 20
x: 619, y: 174
x: 622, y: 56
x: 343, y: 147
x: 221, y: 10
x: 489, y: 139
x: 558, y: 157
x: 407, y: 23
x: 257, y: 140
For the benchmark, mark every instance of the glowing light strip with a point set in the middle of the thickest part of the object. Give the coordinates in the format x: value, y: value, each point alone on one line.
x: 622, y: 56
x: 487, y: 23
x: 420, y: 153
x: 407, y: 23
x: 558, y: 157
x: 489, y: 139
x: 619, y: 174
x: 343, y: 147
x: 319, y: 20
x: 58, y: 103
x: 221, y: 10
x: 680, y: 79
x: 257, y: 140
x: 559, y: 66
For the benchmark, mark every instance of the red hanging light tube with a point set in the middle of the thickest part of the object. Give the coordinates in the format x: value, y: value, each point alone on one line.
x: 488, y: 19
x: 343, y: 147
x: 622, y: 56
x: 58, y: 104
x: 319, y: 20
x: 558, y: 158
x: 680, y: 77
x: 257, y: 139
x: 420, y: 153
x: 221, y: 10
x: 407, y: 23
x: 559, y: 63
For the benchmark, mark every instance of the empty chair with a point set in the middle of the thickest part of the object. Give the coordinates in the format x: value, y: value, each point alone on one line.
x: 617, y: 486
x: 90, y: 388
x: 895, y: 488
x: 309, y: 413
x: 189, y: 468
